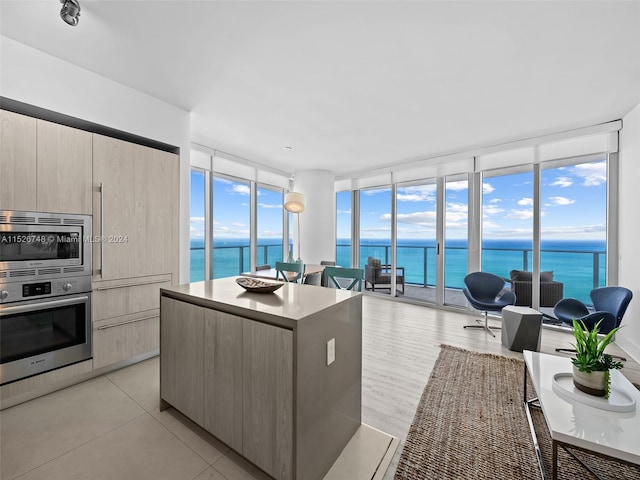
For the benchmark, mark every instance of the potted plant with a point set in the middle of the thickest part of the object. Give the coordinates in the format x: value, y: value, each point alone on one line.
x: 591, y: 365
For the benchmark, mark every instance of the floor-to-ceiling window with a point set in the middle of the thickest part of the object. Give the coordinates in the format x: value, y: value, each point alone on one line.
x: 270, y: 225
x: 416, y: 244
x: 231, y: 226
x: 197, y: 226
x: 573, y: 225
x: 375, y: 231
x: 223, y: 209
x: 456, y: 244
x: 343, y: 229
x: 507, y: 228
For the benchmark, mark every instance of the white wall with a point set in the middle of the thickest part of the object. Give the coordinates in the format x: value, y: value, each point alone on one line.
x: 31, y: 76
x: 317, y: 227
x: 629, y: 243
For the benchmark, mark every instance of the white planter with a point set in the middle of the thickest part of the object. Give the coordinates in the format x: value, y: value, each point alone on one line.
x: 593, y: 383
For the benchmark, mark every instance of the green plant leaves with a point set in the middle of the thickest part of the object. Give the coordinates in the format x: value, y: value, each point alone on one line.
x: 590, y: 356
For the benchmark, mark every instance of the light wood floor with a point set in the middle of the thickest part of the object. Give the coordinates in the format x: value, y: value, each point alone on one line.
x: 400, y: 346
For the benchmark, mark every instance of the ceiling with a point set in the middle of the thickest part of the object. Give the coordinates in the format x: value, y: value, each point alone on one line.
x: 351, y: 86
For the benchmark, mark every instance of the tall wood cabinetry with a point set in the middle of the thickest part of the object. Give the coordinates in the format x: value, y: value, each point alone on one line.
x: 131, y: 191
x: 135, y: 212
x: 44, y: 166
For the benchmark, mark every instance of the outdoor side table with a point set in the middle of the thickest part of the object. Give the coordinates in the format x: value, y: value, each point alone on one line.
x: 521, y: 328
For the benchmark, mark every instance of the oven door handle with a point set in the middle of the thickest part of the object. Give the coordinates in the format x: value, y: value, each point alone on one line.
x: 34, y: 307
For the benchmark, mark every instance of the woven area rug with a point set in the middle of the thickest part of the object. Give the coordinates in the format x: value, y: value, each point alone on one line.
x: 471, y: 424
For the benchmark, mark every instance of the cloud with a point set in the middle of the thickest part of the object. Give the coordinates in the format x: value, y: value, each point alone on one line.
x: 195, y: 232
x: 492, y: 210
x: 562, y: 182
x: 559, y: 201
x: 197, y: 219
x: 525, y: 201
x: 410, y: 197
x: 241, y: 189
x: 574, y: 230
x: 424, y: 219
x: 487, y: 188
x: 418, y: 193
x: 592, y: 174
x: 269, y: 205
x: 457, y: 207
x: 375, y: 191
x: 238, y: 224
x: 458, y: 186
x: 495, y: 200
x: 346, y: 212
x: 519, y: 214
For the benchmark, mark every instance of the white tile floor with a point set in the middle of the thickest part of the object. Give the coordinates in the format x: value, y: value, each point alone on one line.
x: 111, y: 427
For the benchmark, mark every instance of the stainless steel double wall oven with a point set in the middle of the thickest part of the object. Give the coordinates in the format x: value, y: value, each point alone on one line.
x: 45, y: 292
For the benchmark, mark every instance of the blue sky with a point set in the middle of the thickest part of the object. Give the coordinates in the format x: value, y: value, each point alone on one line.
x: 231, y: 209
x: 573, y: 208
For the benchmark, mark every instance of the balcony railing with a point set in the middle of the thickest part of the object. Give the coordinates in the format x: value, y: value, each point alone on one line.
x: 231, y: 260
x: 580, y: 271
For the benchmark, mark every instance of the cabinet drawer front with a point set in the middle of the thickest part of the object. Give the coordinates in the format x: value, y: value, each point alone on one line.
x: 125, y: 340
x: 112, y: 301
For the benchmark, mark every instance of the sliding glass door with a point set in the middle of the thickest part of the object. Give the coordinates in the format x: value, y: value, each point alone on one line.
x: 573, y: 227
x: 456, y: 238
x: 416, y: 246
x: 507, y: 230
x: 270, y: 225
x: 375, y: 238
x: 343, y: 229
x: 197, y: 227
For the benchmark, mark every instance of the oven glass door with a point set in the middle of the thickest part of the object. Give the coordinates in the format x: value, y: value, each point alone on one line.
x: 37, y: 336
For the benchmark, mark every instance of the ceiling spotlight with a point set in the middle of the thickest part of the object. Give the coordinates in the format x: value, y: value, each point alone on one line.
x: 70, y: 12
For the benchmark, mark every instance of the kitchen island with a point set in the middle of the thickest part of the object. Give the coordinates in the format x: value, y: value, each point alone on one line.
x: 275, y: 376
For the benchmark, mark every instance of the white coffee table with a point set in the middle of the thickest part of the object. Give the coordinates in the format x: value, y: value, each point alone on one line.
x: 575, y: 424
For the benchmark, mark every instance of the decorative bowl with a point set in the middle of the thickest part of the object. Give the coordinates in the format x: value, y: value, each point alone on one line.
x: 258, y: 286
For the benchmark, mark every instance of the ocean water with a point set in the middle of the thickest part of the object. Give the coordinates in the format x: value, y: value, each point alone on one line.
x: 580, y: 265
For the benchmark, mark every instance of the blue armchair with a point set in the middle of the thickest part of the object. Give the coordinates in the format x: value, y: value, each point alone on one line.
x: 609, y: 305
x: 482, y: 290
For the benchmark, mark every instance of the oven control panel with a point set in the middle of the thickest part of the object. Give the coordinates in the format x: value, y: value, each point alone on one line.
x: 36, y: 289
x: 17, y: 292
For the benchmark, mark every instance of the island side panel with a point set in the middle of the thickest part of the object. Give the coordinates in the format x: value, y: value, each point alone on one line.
x: 181, y: 357
x: 328, y: 397
x: 267, y: 402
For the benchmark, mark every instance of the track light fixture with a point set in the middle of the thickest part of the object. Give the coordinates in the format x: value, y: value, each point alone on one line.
x: 70, y: 11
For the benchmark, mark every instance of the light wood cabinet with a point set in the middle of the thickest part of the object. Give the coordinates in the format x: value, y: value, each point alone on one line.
x: 125, y: 338
x: 17, y: 161
x: 44, y: 166
x: 126, y: 321
x: 135, y: 223
x: 135, y: 207
x: 182, y: 369
x: 223, y: 392
x: 63, y: 178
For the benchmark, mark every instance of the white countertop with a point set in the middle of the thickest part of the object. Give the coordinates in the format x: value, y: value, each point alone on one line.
x: 616, y: 434
x: 292, y: 301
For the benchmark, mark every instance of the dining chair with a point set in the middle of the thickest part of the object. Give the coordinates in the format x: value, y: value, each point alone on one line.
x: 282, y: 268
x: 332, y: 275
